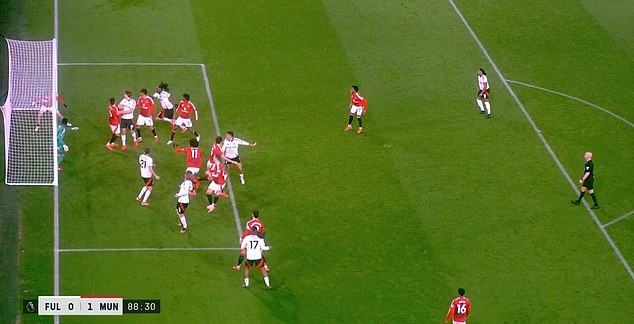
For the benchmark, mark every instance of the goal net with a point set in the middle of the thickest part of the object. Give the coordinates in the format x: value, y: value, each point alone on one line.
x: 30, y: 122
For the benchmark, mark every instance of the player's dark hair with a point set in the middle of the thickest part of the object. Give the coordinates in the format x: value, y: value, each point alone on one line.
x: 112, y: 101
x: 256, y: 213
x: 64, y: 121
x: 355, y: 88
x: 218, y: 139
x: 144, y: 91
x: 482, y: 70
x: 163, y: 86
x: 230, y: 133
x: 461, y: 291
x: 254, y: 229
x: 129, y: 93
x: 186, y: 96
x: 147, y: 150
x: 193, y: 142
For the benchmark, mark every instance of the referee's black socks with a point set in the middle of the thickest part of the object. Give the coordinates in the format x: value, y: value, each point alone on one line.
x: 594, y: 198
x: 581, y: 195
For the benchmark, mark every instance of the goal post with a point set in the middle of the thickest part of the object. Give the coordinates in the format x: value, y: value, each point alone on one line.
x: 30, y: 113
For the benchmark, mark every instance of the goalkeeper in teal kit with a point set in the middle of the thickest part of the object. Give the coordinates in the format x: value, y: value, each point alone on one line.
x: 62, y: 148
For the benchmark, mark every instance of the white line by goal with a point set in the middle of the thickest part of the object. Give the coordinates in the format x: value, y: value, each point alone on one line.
x: 142, y: 249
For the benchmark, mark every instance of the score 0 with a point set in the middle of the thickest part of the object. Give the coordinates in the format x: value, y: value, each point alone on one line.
x: 80, y: 305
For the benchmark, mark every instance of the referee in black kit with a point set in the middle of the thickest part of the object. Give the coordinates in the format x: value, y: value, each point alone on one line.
x: 587, y: 182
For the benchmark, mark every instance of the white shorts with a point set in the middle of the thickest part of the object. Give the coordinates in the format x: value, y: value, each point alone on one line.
x: 215, y: 188
x: 456, y: 322
x: 193, y: 170
x: 142, y: 120
x: 115, y: 129
x: 183, y: 122
x: 358, y: 110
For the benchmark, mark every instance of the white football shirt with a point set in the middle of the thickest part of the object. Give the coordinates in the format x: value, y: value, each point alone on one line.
x: 128, y: 107
x: 145, y: 163
x: 183, y: 192
x: 230, y: 148
x: 483, y: 83
x: 254, y: 245
x: 164, y: 98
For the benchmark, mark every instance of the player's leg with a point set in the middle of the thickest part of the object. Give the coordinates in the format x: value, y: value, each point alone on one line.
x: 123, y: 127
x: 479, y: 102
x: 211, y: 197
x: 350, y: 119
x: 239, y: 165
x: 195, y: 133
x: 171, y: 141
x: 147, y: 195
x: 180, y: 210
x: 265, y: 275
x: 153, y: 130
x: 360, y: 129
x: 240, y: 260
x: 246, y: 275
x: 138, y: 132
x: 487, y: 104
x: 581, y: 194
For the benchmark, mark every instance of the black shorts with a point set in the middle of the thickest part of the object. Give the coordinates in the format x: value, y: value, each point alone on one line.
x: 167, y: 113
x: 259, y: 263
x: 147, y: 181
x: 484, y: 94
x: 126, y: 123
x: 589, y: 183
x: 235, y: 159
x: 181, y: 207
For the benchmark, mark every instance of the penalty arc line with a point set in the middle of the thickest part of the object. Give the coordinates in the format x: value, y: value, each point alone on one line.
x: 594, y: 217
x: 575, y: 99
x: 620, y: 218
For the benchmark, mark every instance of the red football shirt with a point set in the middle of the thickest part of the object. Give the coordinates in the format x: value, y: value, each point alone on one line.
x: 194, y: 158
x: 217, y: 173
x: 113, y: 117
x: 146, y: 107
x: 459, y: 309
x: 186, y: 108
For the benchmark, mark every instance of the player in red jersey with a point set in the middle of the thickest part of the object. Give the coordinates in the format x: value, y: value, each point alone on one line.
x: 147, y: 112
x: 184, y: 110
x: 459, y: 309
x: 253, y: 223
x: 216, y: 176
x: 216, y: 150
x: 194, y: 160
x: 113, y: 120
x: 358, y: 107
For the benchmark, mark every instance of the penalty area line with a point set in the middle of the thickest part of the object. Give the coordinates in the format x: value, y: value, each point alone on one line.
x: 148, y: 249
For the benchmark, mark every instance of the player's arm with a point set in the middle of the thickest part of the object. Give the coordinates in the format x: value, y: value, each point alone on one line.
x: 156, y: 176
x: 449, y: 313
x: 585, y: 176
x: 195, y: 112
x: 179, y: 150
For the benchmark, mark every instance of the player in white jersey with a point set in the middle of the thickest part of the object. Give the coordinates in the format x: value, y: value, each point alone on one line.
x: 230, y: 150
x: 483, y: 93
x: 127, y: 106
x: 163, y: 95
x: 253, y: 245
x: 146, y: 164
x: 185, y: 188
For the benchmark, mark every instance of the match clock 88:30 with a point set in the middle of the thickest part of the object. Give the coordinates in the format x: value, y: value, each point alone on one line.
x: 142, y: 306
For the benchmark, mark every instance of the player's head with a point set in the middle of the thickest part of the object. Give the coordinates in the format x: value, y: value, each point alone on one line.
x: 254, y: 229
x: 229, y: 135
x: 461, y: 291
x: 162, y: 87
x: 147, y: 150
x: 588, y: 156
x: 255, y: 213
x: 218, y: 139
x: 112, y: 101
x: 64, y: 121
x: 481, y: 71
x: 127, y: 94
x: 355, y: 88
x: 189, y: 175
x: 143, y: 91
x: 186, y: 96
x: 193, y: 142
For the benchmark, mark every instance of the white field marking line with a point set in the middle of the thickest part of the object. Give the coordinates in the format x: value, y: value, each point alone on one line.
x: 125, y: 64
x: 56, y: 286
x: 543, y: 139
x: 149, y: 249
x: 236, y: 215
x: 622, y: 217
x: 575, y: 99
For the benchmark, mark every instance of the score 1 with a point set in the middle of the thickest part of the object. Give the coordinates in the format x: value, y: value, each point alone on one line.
x: 80, y: 305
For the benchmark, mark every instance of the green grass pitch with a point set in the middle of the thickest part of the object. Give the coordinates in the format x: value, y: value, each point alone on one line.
x: 379, y: 227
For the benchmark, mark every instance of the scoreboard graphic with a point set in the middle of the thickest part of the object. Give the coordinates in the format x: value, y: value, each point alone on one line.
x: 90, y: 305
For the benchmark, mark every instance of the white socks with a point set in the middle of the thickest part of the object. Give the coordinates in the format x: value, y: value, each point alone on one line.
x: 123, y: 136
x: 488, y: 107
x: 143, y: 190
x: 480, y: 104
x: 246, y: 282
x: 147, y: 194
x: 266, y: 281
x: 183, y: 221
